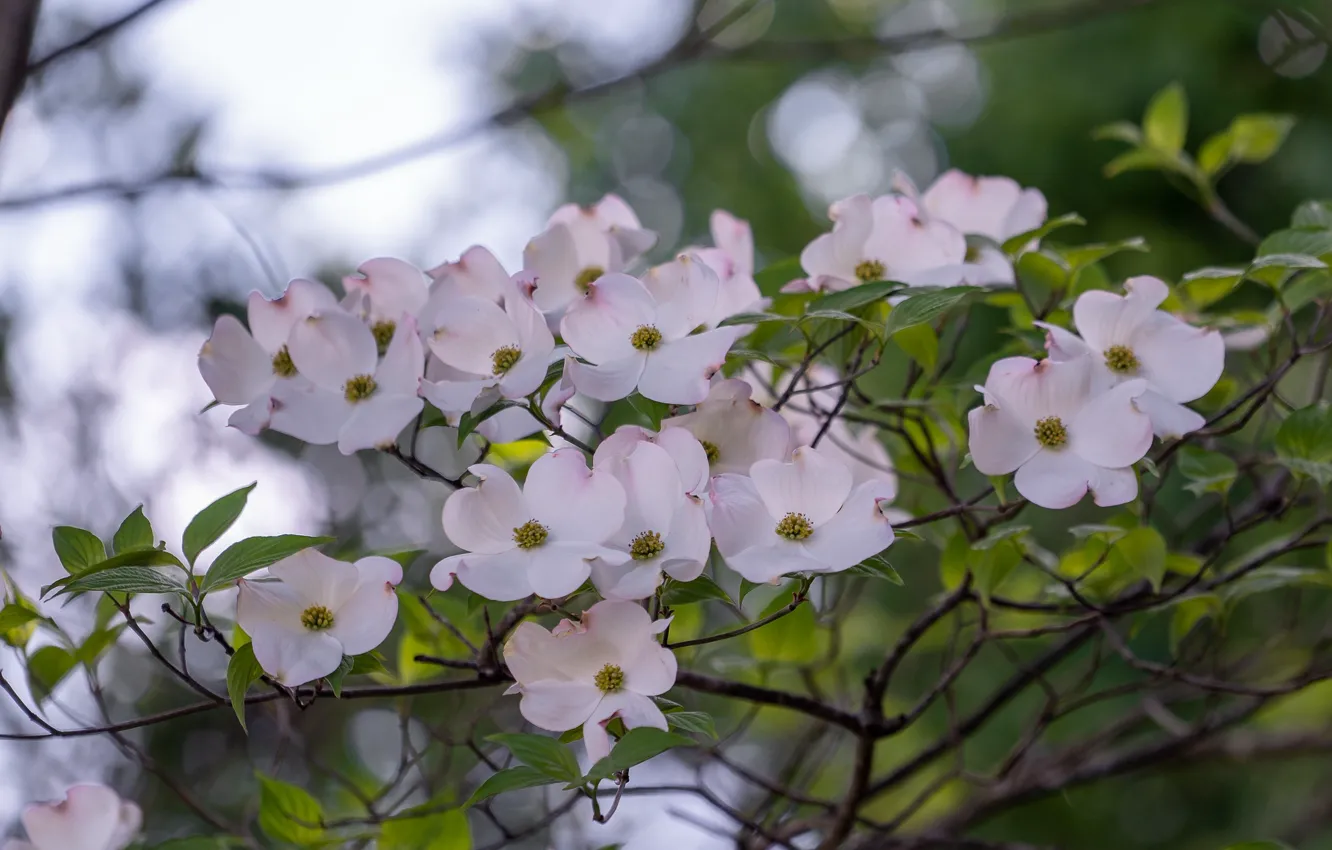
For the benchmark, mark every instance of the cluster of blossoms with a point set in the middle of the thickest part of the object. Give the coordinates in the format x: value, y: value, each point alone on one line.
x: 91, y: 817
x: 776, y: 493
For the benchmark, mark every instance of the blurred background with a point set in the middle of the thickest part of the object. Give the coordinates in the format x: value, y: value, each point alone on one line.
x: 151, y: 178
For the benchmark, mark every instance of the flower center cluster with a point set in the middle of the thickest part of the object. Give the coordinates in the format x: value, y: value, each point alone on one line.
x: 1120, y: 358
x: 505, y: 358
x: 316, y: 618
x: 530, y: 534
x: 794, y: 527
x: 587, y: 277
x: 646, y: 338
x: 868, y: 271
x: 710, y: 449
x: 359, y: 388
x: 282, y: 365
x: 383, y: 332
x: 1051, y: 433
x: 609, y: 679
x: 646, y: 546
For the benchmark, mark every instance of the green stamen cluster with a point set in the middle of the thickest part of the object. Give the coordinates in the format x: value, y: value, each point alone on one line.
x: 794, y: 527
x: 504, y: 359
x: 609, y: 679
x: 1051, y: 433
x: 868, y: 271
x: 530, y: 534
x: 383, y: 332
x: 646, y: 338
x: 587, y: 277
x: 359, y: 388
x: 710, y: 449
x: 646, y: 546
x: 316, y: 618
x: 1120, y: 358
x: 282, y: 365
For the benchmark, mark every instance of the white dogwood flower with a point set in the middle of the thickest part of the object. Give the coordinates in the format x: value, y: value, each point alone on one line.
x: 579, y: 245
x: 91, y: 817
x: 586, y: 674
x: 476, y: 273
x: 632, y: 341
x: 799, y: 516
x: 732, y: 258
x: 318, y: 610
x: 1055, y: 424
x: 994, y: 207
x: 665, y: 529
x: 536, y: 539
x: 368, y: 400
x: 1129, y: 338
x: 734, y: 430
x: 248, y: 367
x: 384, y: 289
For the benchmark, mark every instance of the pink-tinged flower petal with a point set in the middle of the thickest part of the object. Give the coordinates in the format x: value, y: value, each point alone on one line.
x: 811, y: 484
x: 1180, y: 361
x: 1170, y: 419
x: 633, y: 709
x: 1110, y: 487
x: 1032, y: 390
x: 558, y: 568
x: 404, y: 360
x: 685, y: 291
x: 533, y: 654
x: 598, y: 327
x: 309, y: 413
x: 317, y: 578
x: 285, y: 649
x: 610, y: 381
x: 469, y: 331
x: 476, y: 273
x: 688, y: 542
x: 651, y: 671
x: 1105, y: 319
x: 253, y: 418
x: 572, y: 501
x: 617, y: 626
x: 691, y: 459
x: 853, y: 222
x: 767, y: 563
x: 678, y: 372
x: 512, y: 423
x: 553, y: 257
x: 271, y: 321
x: 1055, y: 479
x: 733, y: 236
x: 741, y: 430
x: 1027, y: 214
x: 979, y: 205
x: 614, y: 211
x: 907, y: 244
x: 377, y: 421
x: 537, y: 346
x: 1110, y: 430
x: 552, y: 405
x: 443, y: 573
x: 652, y: 490
x: 738, y: 517
x: 617, y: 447
x: 91, y: 817
x: 365, y: 620
x: 1062, y: 344
x: 558, y: 706
x: 858, y: 531
x: 820, y: 261
x: 234, y: 366
x: 483, y: 518
x: 501, y: 577
x: 630, y: 580
x: 454, y: 396
x: 999, y: 442
x: 328, y: 348
x: 391, y: 286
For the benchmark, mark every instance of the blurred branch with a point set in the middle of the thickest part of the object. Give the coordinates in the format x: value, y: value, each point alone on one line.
x: 694, y: 48
x: 94, y: 36
x: 18, y: 20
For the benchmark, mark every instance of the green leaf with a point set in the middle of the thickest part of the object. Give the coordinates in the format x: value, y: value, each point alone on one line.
x: 1317, y: 214
x: 85, y: 580
x: 132, y: 579
x: 1014, y: 244
x: 213, y: 521
x: 1008, y: 531
x: 288, y: 813
x: 1122, y: 131
x: 253, y: 553
x: 541, y: 753
x: 95, y: 644
x: 774, y: 277
x: 755, y: 319
x: 1304, y: 442
x: 1207, y: 472
x: 840, y: 316
x: 877, y: 567
x: 921, y: 344
x: 1273, y: 269
x: 1309, y: 241
x: 925, y: 307
x: 77, y: 548
x: 1188, y: 613
x: 14, y: 617
x: 636, y: 747
x: 700, y: 589
x: 243, y: 670
x: 698, y: 722
x: 47, y: 667
x: 1166, y: 121
x: 1084, y: 255
x: 134, y: 533
x: 367, y: 663
x: 856, y: 296
x: 443, y: 831
x: 1258, y: 136
x: 510, y: 779
x: 1141, y: 553
x: 335, y: 678
x: 1145, y: 159
x: 745, y: 586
